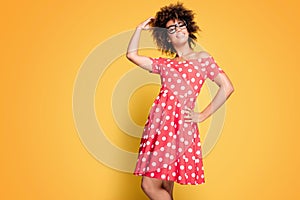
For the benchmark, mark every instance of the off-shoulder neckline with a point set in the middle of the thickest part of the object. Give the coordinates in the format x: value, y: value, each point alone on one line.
x: 186, y: 61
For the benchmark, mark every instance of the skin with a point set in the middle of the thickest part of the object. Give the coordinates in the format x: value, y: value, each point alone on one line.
x: 157, y: 189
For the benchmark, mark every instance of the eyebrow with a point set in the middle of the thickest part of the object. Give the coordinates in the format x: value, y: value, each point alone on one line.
x: 174, y: 24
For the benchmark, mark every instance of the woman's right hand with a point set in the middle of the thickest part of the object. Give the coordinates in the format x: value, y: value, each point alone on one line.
x: 132, y: 51
x: 146, y: 24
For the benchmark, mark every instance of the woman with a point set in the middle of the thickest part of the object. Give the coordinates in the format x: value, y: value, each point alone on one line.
x: 170, y: 148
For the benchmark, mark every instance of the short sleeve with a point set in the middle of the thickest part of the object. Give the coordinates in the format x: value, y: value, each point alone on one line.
x: 156, y: 65
x: 212, y: 68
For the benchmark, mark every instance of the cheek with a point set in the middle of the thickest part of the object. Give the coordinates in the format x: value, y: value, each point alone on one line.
x: 185, y: 31
x: 171, y: 36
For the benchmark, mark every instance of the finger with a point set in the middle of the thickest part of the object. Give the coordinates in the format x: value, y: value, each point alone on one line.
x: 187, y: 108
x: 186, y: 112
x: 187, y: 117
x: 149, y: 19
x: 146, y: 24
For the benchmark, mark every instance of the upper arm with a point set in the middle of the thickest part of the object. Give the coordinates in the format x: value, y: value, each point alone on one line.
x: 211, y: 68
x: 223, y: 81
x: 142, y: 61
x: 215, y: 72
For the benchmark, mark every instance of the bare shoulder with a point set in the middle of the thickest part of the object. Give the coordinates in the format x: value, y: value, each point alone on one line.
x: 203, y: 54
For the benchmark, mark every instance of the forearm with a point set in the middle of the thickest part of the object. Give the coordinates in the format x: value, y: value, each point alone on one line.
x: 221, y: 96
x: 132, y: 50
x: 134, y: 42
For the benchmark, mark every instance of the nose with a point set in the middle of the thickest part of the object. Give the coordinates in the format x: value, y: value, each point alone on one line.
x: 177, y: 28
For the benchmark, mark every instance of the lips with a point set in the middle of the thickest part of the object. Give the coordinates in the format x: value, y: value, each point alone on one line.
x: 180, y: 35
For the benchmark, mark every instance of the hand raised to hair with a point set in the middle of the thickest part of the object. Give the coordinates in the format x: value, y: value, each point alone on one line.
x: 146, y: 24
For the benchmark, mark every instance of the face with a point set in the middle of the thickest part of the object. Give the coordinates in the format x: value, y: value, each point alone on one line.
x: 177, y: 31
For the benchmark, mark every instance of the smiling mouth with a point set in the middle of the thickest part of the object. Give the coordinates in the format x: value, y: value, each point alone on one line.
x: 180, y: 35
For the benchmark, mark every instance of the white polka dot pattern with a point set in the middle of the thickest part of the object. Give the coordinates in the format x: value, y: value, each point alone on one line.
x: 170, y: 148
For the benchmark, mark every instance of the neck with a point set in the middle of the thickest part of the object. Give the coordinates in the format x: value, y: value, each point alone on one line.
x: 183, y: 50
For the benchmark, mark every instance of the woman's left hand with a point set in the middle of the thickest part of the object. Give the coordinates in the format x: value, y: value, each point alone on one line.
x: 191, y: 116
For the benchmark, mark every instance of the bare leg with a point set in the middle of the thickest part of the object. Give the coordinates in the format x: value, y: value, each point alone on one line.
x: 155, y: 190
x: 168, y: 185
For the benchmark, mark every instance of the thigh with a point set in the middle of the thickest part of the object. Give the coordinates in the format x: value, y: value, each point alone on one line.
x: 152, y: 182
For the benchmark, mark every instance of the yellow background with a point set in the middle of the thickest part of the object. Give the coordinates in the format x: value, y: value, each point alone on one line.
x: 43, y: 44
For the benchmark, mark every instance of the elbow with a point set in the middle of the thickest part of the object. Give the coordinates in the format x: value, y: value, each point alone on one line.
x: 130, y: 56
x: 225, y: 86
x: 229, y: 90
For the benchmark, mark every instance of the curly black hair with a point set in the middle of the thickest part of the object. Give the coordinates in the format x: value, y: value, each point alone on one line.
x: 172, y: 12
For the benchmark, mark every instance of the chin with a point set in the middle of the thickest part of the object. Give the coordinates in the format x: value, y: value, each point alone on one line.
x: 180, y: 41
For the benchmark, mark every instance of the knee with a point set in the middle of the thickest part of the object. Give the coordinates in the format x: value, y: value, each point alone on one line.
x: 147, y: 186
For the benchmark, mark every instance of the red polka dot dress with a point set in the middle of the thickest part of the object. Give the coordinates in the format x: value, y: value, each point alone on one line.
x: 170, y: 148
